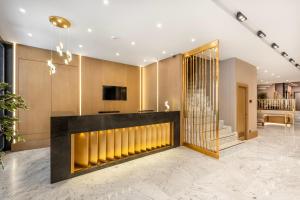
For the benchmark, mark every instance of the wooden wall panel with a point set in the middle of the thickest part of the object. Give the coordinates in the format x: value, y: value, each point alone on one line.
x: 65, y: 92
x: 170, y: 82
x: 96, y: 73
x: 35, y: 87
x: 149, y: 87
x: 45, y: 95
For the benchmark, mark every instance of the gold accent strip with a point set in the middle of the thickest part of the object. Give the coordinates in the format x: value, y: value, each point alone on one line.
x: 203, y: 150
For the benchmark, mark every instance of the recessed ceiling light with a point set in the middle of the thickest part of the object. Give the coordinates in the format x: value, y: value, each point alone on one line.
x: 291, y: 60
x: 193, y: 40
x: 132, y: 43
x: 117, y: 54
x: 274, y: 46
x: 261, y: 34
x: 266, y: 71
x: 261, y: 80
x: 105, y: 2
x: 287, y: 80
x: 284, y: 54
x: 278, y: 76
x: 29, y: 34
x: 145, y: 60
x: 89, y: 30
x: 241, y: 17
x: 272, y: 74
x: 159, y: 25
x: 22, y: 10
x: 80, y: 46
x: 257, y: 67
x: 164, y: 52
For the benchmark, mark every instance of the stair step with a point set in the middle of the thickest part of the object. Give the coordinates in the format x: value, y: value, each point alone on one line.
x: 230, y: 144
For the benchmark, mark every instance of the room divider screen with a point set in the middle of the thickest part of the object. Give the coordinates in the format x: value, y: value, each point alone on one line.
x: 200, y: 99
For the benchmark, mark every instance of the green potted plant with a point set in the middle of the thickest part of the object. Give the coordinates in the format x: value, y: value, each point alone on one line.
x: 9, y: 103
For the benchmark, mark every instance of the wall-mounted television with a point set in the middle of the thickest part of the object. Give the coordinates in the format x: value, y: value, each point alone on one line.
x: 114, y: 93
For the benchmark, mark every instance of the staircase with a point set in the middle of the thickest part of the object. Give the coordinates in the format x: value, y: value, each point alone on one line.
x: 227, y: 137
x: 197, y: 102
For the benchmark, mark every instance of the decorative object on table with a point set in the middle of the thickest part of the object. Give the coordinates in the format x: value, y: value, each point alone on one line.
x: 9, y: 103
x: 167, y: 106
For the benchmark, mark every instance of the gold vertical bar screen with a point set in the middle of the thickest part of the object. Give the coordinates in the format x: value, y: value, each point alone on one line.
x: 125, y: 141
x: 118, y: 143
x: 149, y: 137
x: 93, y: 147
x: 200, y: 80
x: 110, y: 145
x: 99, y: 147
x: 143, y: 138
x: 102, y: 146
x: 137, y: 139
x: 131, y: 140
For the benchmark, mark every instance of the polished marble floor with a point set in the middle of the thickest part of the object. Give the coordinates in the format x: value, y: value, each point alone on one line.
x: 267, y: 167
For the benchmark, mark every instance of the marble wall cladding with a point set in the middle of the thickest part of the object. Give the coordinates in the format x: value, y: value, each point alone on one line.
x: 267, y: 167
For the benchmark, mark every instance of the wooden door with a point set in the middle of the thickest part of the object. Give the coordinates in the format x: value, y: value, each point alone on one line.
x: 242, y: 109
x: 297, y: 97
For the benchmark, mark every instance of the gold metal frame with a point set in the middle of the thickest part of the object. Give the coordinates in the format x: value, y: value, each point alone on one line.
x: 200, y: 78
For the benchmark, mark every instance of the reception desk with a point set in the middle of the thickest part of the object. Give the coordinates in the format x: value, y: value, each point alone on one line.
x: 81, y: 144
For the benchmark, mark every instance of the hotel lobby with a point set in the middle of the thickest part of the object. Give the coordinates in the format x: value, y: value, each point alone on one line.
x: 136, y: 99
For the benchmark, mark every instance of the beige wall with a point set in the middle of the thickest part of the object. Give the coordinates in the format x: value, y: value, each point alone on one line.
x: 96, y: 73
x: 233, y: 71
x: 149, y: 85
x: 58, y: 94
x: 227, y: 90
x: 247, y: 74
x: 169, y: 84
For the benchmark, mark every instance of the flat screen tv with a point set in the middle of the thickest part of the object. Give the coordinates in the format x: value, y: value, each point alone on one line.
x: 114, y: 93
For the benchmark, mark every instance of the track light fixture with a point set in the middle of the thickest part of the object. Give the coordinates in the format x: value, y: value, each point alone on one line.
x: 261, y: 34
x: 284, y: 54
x: 274, y: 46
x: 292, y: 60
x: 240, y: 16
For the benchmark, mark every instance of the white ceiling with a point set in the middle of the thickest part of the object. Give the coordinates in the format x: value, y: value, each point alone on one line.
x: 182, y: 20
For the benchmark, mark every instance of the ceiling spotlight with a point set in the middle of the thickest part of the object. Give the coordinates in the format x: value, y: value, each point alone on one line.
x: 80, y: 46
x: 164, y: 52
x: 266, y: 71
x: 278, y: 76
x: 257, y: 67
x: 29, y: 34
x: 287, y: 80
x: 297, y: 65
x: 132, y: 43
x: 261, y: 34
x: 241, y: 17
x: 22, y: 10
x: 117, y: 54
x: 105, y: 2
x: 291, y: 60
x: 159, y: 25
x: 145, y: 60
x: 272, y: 74
x: 89, y: 30
x: 274, y: 46
x: 284, y: 54
x: 193, y: 40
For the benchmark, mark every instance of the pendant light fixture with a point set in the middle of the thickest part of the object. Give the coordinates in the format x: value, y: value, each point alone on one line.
x: 62, y: 24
